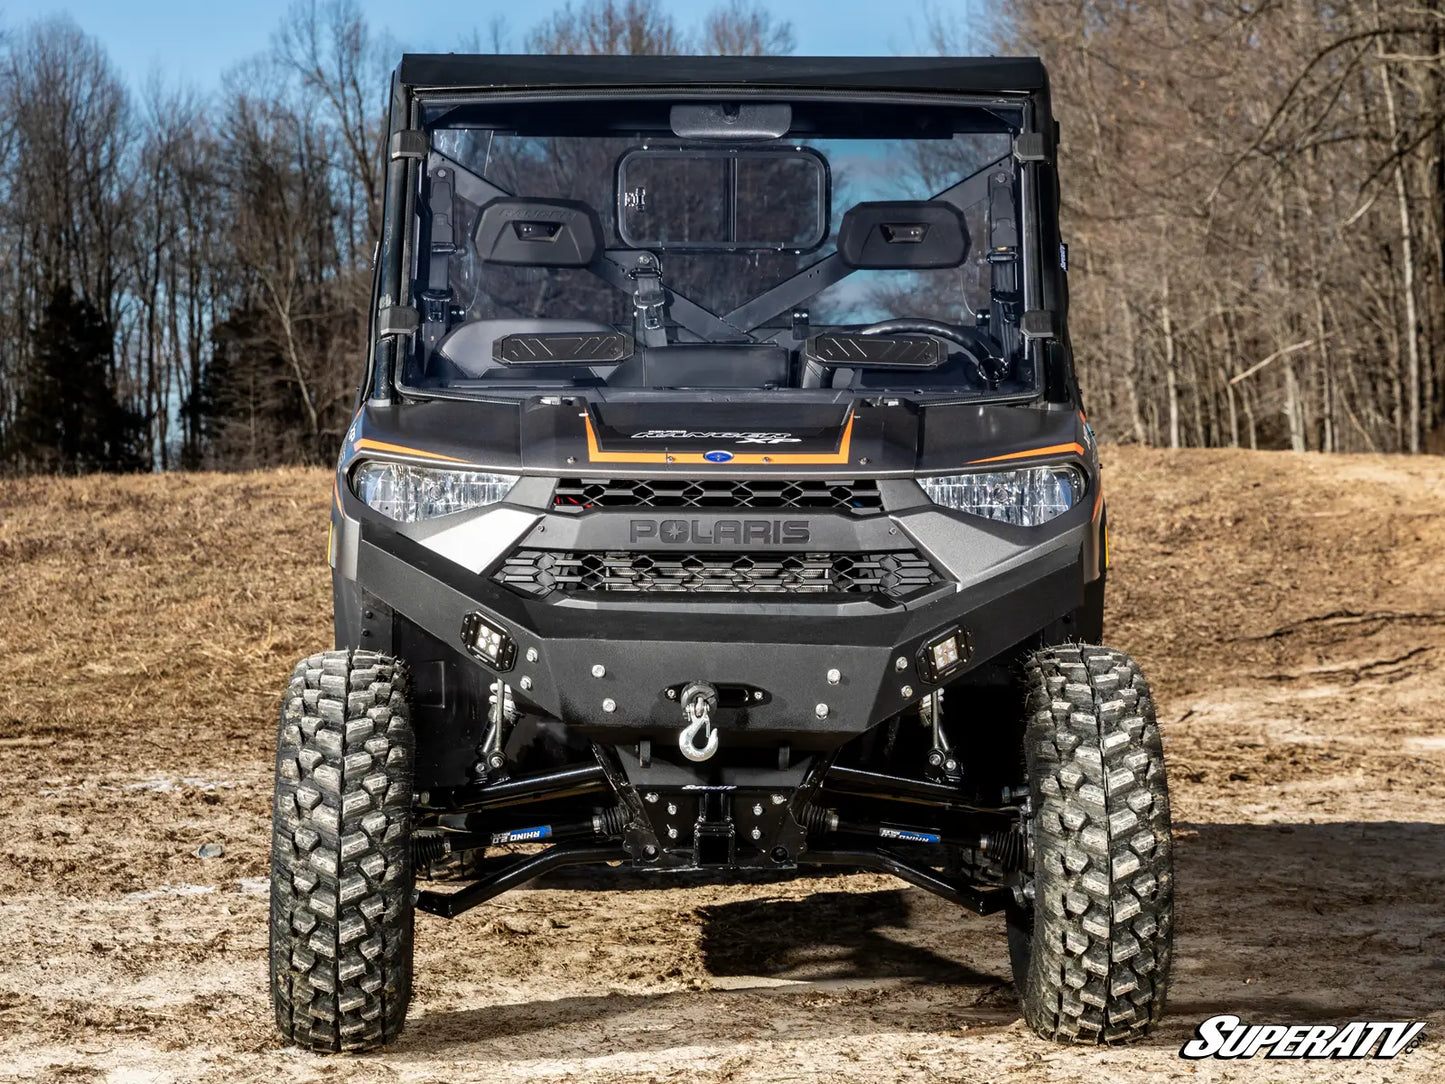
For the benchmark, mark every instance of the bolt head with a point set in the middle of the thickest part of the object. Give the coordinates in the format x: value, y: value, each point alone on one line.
x: 900, y: 664
x: 821, y: 711
x: 935, y: 758
x: 778, y: 799
x: 525, y: 684
x: 532, y: 654
x: 650, y: 796
x: 671, y: 832
x: 672, y: 694
x: 672, y: 809
x: 757, y: 833
x: 834, y: 676
x: 758, y: 809
x: 907, y: 691
x: 950, y: 764
x: 758, y: 694
x: 598, y: 670
x: 609, y: 705
x: 650, y: 851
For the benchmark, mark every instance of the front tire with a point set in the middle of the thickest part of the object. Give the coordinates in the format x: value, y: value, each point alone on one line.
x: 341, y: 874
x: 1091, y: 951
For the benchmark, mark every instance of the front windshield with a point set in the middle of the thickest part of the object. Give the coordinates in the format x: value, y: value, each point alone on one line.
x: 588, y: 244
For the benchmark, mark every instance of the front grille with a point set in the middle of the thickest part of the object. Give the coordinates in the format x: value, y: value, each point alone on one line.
x: 820, y: 494
x: 541, y: 572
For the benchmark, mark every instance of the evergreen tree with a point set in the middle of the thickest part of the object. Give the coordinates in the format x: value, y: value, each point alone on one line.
x: 68, y: 417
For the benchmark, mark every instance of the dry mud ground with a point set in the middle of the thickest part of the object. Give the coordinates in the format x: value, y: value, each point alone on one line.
x: 1291, y: 611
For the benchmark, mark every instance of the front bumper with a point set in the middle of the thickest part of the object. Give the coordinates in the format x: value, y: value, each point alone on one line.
x: 818, y: 669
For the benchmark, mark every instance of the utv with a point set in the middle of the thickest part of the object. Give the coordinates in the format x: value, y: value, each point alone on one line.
x: 719, y: 499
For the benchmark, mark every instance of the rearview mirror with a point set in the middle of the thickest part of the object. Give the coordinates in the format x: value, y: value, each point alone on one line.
x: 692, y: 199
x: 728, y: 121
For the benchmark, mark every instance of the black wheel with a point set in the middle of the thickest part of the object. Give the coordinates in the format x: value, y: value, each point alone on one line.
x: 341, y: 876
x: 1092, y: 937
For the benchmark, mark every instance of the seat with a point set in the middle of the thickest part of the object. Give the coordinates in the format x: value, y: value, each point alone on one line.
x: 469, y: 348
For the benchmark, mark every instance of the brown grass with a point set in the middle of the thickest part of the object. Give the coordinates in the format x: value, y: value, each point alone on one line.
x: 1289, y: 609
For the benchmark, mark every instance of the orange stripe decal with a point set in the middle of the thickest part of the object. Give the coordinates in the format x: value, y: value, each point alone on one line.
x: 747, y: 459
x: 365, y: 443
x: 1053, y: 449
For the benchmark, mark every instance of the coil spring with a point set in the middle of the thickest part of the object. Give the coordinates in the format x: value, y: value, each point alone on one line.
x: 426, y: 849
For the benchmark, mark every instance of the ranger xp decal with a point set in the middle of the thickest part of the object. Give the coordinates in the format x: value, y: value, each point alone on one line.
x: 736, y: 438
x: 760, y: 458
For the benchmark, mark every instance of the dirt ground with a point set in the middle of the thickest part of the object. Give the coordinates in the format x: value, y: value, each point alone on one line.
x: 1289, y: 609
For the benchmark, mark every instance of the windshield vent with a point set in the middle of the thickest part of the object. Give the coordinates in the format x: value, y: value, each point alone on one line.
x: 541, y: 572
x: 820, y: 495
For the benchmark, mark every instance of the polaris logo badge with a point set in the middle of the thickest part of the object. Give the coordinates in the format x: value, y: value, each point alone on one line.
x: 734, y: 532
x: 1226, y: 1036
x: 749, y: 437
x: 717, y: 457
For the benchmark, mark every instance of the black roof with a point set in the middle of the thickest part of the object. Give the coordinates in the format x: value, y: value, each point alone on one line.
x: 976, y: 75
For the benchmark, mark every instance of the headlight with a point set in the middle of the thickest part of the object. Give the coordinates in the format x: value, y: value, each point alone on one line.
x: 1027, y: 497
x: 408, y: 493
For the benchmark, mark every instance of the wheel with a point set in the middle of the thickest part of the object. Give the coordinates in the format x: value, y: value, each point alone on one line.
x: 1091, y: 948
x: 341, y: 874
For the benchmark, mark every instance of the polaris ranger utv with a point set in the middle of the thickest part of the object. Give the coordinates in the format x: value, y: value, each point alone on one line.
x: 719, y: 499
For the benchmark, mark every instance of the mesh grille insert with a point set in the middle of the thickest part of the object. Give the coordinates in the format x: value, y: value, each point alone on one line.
x: 541, y: 572
x: 819, y: 494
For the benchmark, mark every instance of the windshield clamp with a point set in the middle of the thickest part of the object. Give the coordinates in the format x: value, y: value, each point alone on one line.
x: 408, y: 143
x: 1037, y: 324
x: 1031, y: 147
x: 396, y: 320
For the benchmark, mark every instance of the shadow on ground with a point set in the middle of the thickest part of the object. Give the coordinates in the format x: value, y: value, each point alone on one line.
x: 1278, y: 923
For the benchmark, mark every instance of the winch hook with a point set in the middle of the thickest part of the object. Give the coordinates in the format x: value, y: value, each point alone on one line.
x: 699, y: 701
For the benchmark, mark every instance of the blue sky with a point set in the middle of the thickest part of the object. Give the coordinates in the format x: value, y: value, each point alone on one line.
x: 196, y: 40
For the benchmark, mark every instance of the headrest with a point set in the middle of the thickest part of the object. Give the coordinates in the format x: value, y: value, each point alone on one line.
x: 529, y: 232
x: 903, y: 235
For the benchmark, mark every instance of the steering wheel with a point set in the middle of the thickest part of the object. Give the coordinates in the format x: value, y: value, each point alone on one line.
x: 964, y: 338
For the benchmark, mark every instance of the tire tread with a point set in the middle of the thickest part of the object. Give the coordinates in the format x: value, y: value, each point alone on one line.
x: 341, y: 878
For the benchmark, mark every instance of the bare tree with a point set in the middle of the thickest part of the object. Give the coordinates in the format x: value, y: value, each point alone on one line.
x: 1254, y: 195
x: 741, y: 28
x: 616, y: 27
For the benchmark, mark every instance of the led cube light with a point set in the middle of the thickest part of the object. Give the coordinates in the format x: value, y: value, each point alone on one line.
x: 946, y: 654
x: 488, y: 642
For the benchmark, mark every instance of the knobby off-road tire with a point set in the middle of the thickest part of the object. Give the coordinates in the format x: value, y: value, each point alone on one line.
x: 1091, y: 957
x: 341, y: 875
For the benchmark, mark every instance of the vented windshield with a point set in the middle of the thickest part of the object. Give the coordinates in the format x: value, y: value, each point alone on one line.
x: 623, y: 244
